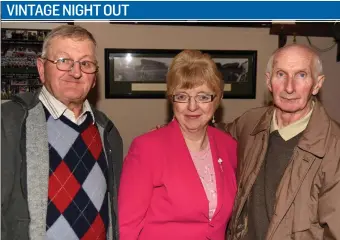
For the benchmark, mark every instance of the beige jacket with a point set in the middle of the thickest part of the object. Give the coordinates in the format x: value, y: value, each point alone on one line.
x: 308, y: 197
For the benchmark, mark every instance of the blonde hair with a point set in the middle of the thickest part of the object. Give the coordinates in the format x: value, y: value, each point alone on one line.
x: 192, y: 68
x: 67, y: 31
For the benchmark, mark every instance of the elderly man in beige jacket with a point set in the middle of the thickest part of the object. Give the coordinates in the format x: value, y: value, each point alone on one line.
x: 289, y: 157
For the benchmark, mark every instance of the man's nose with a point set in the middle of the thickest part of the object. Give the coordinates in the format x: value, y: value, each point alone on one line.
x: 289, y: 85
x: 75, y: 70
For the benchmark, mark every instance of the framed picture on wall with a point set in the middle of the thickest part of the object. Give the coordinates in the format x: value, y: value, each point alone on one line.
x: 19, y: 51
x: 141, y: 73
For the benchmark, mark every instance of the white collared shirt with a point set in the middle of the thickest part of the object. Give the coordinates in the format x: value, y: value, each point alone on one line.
x: 57, y: 108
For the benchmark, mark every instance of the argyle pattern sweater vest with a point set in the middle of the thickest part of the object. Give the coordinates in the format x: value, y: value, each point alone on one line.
x: 77, y: 190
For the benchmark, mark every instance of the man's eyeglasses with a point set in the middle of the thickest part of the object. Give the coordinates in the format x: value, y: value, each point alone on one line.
x: 200, y: 98
x: 66, y: 64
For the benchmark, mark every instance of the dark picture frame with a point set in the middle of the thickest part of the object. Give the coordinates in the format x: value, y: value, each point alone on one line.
x: 141, y: 73
x: 19, y: 51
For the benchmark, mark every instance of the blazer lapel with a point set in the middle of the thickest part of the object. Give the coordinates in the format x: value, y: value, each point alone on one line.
x: 219, y: 175
x: 187, y: 168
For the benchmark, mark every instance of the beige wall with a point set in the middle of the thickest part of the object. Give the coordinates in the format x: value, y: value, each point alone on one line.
x: 136, y: 116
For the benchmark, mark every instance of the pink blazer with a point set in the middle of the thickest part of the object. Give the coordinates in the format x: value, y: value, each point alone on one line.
x: 161, y: 196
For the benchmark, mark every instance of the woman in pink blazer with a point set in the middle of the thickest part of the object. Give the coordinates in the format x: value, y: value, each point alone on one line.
x: 178, y: 182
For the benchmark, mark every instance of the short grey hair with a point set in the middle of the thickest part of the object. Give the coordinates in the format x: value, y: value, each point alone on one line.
x: 317, y: 63
x: 66, y: 31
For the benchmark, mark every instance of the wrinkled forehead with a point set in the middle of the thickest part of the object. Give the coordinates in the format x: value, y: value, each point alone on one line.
x: 72, y: 46
x: 293, y: 59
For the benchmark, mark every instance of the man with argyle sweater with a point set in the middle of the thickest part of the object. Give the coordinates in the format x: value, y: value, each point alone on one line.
x: 61, y: 158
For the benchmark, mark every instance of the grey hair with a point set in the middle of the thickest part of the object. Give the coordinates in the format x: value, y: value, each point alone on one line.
x: 66, y: 31
x: 317, y: 63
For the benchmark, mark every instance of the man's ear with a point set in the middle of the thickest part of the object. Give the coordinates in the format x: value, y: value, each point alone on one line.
x: 41, y: 69
x: 94, y: 81
x: 318, y: 84
x: 268, y: 81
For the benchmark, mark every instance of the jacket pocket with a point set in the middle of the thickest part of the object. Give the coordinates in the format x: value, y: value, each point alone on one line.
x: 301, y: 226
x: 301, y: 220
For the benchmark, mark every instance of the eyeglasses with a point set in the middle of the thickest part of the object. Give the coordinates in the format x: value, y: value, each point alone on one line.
x: 200, y: 98
x: 66, y: 64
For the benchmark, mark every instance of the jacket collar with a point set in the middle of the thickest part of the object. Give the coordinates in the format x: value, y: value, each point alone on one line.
x: 264, y: 123
x: 314, y: 137
x: 102, y: 120
x: 28, y: 99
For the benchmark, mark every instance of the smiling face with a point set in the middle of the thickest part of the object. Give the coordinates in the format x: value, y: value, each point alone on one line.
x: 193, y: 116
x: 292, y: 80
x: 68, y: 86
